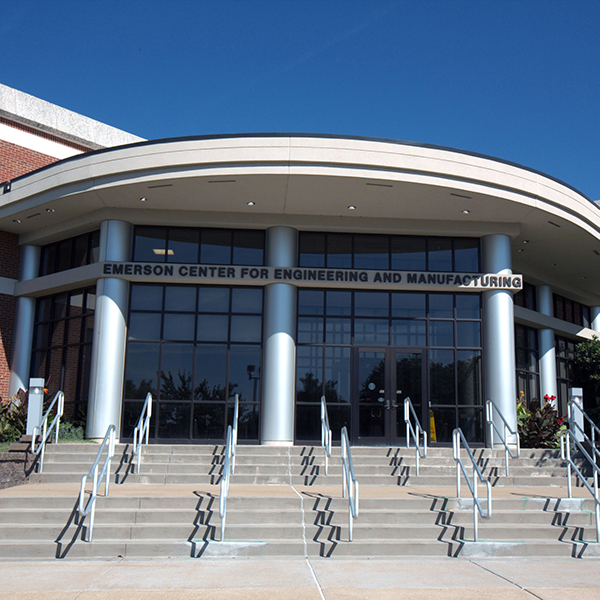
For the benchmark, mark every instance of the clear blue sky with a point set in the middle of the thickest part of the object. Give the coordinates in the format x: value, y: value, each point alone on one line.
x: 515, y: 79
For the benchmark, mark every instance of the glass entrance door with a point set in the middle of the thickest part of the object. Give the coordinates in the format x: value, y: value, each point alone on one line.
x: 384, y: 377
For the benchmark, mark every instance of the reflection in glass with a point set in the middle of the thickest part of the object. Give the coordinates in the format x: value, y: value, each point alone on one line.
x: 441, y: 333
x: 468, y: 374
x: 150, y: 244
x: 371, y: 331
x: 468, y: 306
x: 141, y: 370
x: 310, y: 330
x: 441, y: 306
x: 408, y: 306
x: 310, y: 302
x: 246, y: 300
x: 371, y: 304
x: 131, y: 415
x: 144, y: 326
x: 339, y: 250
x: 243, y: 380
x: 339, y: 303
x: 216, y: 247
x: 443, y: 422
x: 408, y: 253
x: 213, y: 299
x: 337, y: 374
x: 208, y: 421
x: 176, y: 371
x: 441, y: 376
x: 312, y: 250
x: 309, y: 373
x: 211, y: 372
x: 146, y: 297
x: 439, y: 254
x: 337, y: 331
x: 183, y: 245
x: 178, y: 327
x: 466, y: 255
x: 246, y: 328
x: 468, y: 334
x: 174, y: 420
x: 407, y: 332
x: 308, y: 422
x: 470, y: 420
x: 248, y: 247
x: 212, y: 328
x: 180, y: 298
x: 371, y: 252
x: 247, y: 419
x: 371, y: 394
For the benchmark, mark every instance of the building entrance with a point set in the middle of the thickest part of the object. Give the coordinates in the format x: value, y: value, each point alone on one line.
x: 384, y: 377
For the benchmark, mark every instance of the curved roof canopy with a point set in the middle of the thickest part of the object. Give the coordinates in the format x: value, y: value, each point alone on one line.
x: 309, y: 182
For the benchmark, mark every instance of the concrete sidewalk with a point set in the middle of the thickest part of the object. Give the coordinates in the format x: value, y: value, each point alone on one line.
x: 298, y: 579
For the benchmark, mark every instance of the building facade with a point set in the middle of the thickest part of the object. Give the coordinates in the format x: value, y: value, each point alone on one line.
x: 287, y: 267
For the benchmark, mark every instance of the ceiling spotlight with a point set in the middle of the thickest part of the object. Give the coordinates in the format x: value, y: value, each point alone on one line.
x: 520, y: 250
x: 143, y: 199
x: 250, y: 203
x: 49, y: 210
x: 466, y: 211
x: 352, y: 207
x: 16, y: 220
x: 526, y: 241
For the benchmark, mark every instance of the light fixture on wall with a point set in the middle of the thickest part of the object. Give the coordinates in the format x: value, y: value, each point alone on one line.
x: 250, y: 203
x: 352, y: 207
x: 143, y: 199
x: 466, y: 211
x: 49, y: 210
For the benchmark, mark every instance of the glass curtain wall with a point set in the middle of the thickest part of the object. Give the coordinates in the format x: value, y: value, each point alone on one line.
x: 194, y: 348
x: 527, y: 363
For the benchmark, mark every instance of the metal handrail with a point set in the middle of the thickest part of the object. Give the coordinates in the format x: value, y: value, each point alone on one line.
x: 571, y: 418
x: 457, y: 437
x: 490, y: 407
x: 325, y: 433
x: 142, y: 429
x: 59, y: 399
x: 416, y: 434
x: 565, y: 452
x: 228, y: 465
x: 349, y: 482
x: 90, y: 506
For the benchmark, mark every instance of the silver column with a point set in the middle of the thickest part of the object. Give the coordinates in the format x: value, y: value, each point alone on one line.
x: 279, y: 334
x: 24, y: 319
x: 498, y: 332
x: 110, y: 334
x: 547, y: 345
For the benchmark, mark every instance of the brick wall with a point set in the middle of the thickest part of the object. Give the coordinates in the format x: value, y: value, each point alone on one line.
x: 9, y: 267
x: 16, y: 160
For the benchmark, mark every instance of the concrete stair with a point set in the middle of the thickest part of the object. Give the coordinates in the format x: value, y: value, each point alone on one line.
x: 282, y: 504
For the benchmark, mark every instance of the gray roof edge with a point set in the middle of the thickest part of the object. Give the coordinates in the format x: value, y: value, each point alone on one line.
x: 65, y: 124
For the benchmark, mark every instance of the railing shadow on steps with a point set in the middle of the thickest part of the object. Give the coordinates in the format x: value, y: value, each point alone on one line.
x: 203, y: 519
x: 309, y: 469
x: 327, y: 534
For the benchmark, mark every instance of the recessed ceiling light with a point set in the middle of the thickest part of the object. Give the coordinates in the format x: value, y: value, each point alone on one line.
x: 143, y: 199
x: 250, y: 203
x: 520, y: 250
x: 466, y: 211
x: 352, y: 207
x: 49, y: 210
x: 526, y: 241
x: 16, y: 220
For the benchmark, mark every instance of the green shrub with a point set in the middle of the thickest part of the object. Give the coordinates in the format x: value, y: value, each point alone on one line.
x: 70, y: 432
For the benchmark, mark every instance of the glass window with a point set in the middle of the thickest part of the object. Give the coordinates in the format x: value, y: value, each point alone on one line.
x: 176, y: 371
x: 466, y: 255
x: 338, y: 330
x: 180, y: 298
x: 146, y: 297
x: 216, y: 247
x: 183, y: 245
x: 441, y: 306
x: 246, y: 328
x: 144, y: 326
x: 409, y: 253
x: 246, y: 300
x: 371, y: 304
x: 468, y: 306
x: 174, y: 420
x: 439, y: 254
x: 408, y: 306
x: 339, y: 303
x: 208, y: 422
x: 179, y: 326
x: 441, y: 333
x: 468, y: 334
x: 310, y: 302
x: 371, y: 331
x: 408, y: 332
x: 310, y: 330
x: 312, y: 250
x: 468, y: 374
x: 64, y: 252
x: 244, y: 360
x: 141, y: 370
x: 441, y: 376
x: 371, y: 252
x: 339, y: 250
x: 150, y: 244
x: 212, y: 328
x: 213, y: 299
x: 210, y: 372
x: 337, y: 374
x: 248, y: 247
x: 309, y: 373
